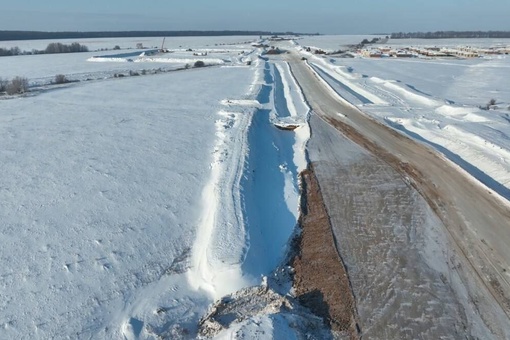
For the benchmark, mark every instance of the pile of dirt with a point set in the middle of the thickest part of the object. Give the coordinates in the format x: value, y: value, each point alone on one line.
x: 255, y: 302
x: 321, y: 282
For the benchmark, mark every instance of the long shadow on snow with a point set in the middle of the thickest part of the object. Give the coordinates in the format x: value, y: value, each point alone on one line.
x: 340, y: 87
x: 269, y: 221
x: 471, y: 169
x: 265, y: 91
x: 280, y: 103
x: 419, y: 91
x: 268, y: 78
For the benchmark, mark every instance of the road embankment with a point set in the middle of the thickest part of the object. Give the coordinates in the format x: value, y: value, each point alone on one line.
x: 473, y: 221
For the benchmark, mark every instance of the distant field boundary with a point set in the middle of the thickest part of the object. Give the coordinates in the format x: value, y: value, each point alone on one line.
x: 35, y: 35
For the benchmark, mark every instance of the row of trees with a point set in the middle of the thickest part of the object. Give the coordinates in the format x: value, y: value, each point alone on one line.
x: 451, y: 34
x: 63, y: 48
x: 5, y: 52
x: 20, y: 85
x: 51, y: 48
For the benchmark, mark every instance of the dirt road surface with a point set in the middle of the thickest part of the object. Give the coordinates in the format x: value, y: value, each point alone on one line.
x: 475, y: 223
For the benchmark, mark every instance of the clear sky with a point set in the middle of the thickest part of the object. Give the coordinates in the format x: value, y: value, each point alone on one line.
x: 326, y: 17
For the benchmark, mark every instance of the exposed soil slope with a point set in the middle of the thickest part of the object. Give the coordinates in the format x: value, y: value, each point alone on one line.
x: 321, y: 282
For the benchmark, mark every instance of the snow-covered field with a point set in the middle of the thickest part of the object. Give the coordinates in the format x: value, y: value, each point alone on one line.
x: 130, y: 204
x: 440, y: 102
x: 42, y: 69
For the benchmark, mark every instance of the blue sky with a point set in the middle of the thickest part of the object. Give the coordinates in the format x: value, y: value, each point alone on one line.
x: 327, y: 17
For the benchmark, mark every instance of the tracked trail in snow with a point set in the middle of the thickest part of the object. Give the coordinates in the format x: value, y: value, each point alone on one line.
x: 476, y: 221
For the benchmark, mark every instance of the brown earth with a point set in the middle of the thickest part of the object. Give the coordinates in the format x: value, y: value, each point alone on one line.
x: 321, y: 282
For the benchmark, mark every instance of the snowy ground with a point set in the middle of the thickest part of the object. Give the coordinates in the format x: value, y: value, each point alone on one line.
x: 131, y: 204
x: 41, y: 69
x: 436, y: 102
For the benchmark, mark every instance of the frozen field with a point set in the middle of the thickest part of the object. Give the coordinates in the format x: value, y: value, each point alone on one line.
x: 131, y: 204
x: 41, y: 69
x: 440, y: 102
x: 101, y: 195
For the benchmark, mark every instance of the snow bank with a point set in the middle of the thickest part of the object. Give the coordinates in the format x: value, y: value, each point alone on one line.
x: 410, y: 95
x: 144, y: 59
x: 107, y: 60
x: 220, y: 246
x: 300, y: 112
x: 346, y: 79
x: 468, y: 114
x: 191, y: 61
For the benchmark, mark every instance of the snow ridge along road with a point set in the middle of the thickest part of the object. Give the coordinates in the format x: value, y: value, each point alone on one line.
x: 476, y: 220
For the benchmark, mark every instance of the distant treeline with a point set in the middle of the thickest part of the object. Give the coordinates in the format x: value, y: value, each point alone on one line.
x: 63, y: 48
x: 34, y: 35
x: 451, y: 34
x: 51, y: 48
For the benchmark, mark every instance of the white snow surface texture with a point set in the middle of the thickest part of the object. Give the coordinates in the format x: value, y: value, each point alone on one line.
x: 131, y: 204
x: 100, y: 190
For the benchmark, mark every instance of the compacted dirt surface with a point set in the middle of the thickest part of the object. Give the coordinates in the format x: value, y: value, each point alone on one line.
x: 391, y: 243
x: 424, y: 228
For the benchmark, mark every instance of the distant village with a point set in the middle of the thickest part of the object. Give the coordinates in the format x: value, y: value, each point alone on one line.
x: 432, y: 52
